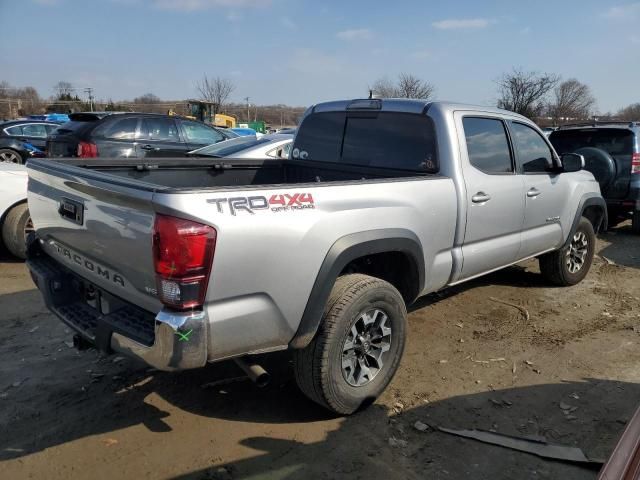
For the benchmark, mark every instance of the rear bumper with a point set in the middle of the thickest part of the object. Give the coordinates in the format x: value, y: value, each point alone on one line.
x: 631, y: 201
x: 167, y: 341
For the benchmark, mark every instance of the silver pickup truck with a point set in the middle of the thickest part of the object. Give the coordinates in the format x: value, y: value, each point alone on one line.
x: 180, y: 262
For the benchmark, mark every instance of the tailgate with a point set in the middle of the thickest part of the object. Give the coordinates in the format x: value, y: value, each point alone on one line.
x: 97, y: 225
x: 62, y: 146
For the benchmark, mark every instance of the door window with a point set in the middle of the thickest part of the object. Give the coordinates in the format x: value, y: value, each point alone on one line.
x: 201, y: 134
x: 160, y: 129
x: 14, y: 131
x: 121, y: 129
x: 34, y: 130
x: 487, y: 145
x: 533, y: 152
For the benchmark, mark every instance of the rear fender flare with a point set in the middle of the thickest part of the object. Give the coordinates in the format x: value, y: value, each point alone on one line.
x: 344, y: 251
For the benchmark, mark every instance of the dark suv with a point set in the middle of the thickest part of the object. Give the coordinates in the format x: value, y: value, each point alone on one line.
x: 106, y: 134
x: 612, y: 153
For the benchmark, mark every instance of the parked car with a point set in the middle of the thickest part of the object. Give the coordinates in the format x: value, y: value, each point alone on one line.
x: 265, y: 147
x: 23, y: 139
x: 548, y: 130
x: 612, y: 153
x: 291, y: 131
x: 15, y: 222
x: 244, y: 131
x: 51, y: 117
x: 106, y: 134
x: 382, y: 201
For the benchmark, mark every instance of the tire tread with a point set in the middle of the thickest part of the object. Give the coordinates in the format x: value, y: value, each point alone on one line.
x: 312, y: 363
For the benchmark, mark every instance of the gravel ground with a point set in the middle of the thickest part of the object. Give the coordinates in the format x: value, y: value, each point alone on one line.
x: 473, y: 360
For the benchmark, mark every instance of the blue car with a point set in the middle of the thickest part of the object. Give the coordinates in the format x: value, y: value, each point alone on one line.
x: 243, y: 131
x: 51, y: 117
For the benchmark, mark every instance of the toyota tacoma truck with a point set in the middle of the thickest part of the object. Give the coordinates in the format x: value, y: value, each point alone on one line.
x: 181, y: 262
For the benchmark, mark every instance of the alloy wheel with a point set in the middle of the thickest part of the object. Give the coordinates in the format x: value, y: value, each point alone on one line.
x: 9, y: 157
x: 577, y: 252
x: 365, y: 347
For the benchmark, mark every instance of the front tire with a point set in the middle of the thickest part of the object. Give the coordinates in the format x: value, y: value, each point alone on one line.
x: 15, y: 228
x: 569, y: 265
x: 358, y: 346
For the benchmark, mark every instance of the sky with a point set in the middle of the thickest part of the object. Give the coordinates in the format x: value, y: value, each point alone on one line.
x: 300, y: 52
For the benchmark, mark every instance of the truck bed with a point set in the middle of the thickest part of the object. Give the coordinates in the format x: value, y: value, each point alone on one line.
x: 199, y: 173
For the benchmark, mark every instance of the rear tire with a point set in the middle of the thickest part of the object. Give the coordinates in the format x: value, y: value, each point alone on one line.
x: 635, y: 222
x: 15, y: 228
x: 358, y: 346
x: 569, y: 265
x: 10, y: 156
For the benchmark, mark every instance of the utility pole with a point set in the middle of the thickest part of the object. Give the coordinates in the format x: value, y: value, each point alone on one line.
x: 248, y: 113
x: 89, y: 91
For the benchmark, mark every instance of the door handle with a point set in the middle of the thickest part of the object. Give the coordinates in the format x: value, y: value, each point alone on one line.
x: 480, y: 197
x: 533, y: 192
x: 148, y: 147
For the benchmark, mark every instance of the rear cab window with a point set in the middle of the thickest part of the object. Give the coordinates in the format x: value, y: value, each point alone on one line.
x: 400, y: 141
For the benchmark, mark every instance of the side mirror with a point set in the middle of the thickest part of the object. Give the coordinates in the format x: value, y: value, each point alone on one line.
x: 572, y: 162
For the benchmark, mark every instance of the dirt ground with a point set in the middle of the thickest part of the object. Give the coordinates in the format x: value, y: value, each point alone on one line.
x: 472, y: 361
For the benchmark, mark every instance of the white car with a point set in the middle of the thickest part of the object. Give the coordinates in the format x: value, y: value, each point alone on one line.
x: 15, y: 221
x: 250, y: 146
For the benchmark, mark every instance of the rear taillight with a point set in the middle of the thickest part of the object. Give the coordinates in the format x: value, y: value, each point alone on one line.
x: 183, y: 253
x: 87, y: 150
x: 635, y: 163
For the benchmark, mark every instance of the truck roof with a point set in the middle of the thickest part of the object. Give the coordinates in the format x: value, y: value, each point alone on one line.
x: 403, y: 105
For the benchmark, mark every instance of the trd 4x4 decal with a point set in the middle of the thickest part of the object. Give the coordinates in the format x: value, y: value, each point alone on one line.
x: 276, y: 203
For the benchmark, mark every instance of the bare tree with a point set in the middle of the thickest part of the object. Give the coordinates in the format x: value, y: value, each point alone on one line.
x: 631, y: 113
x: 63, y: 90
x: 384, y: 88
x: 410, y: 86
x: 147, y: 99
x: 572, y: 100
x: 407, y: 86
x: 216, y: 90
x: 525, y: 92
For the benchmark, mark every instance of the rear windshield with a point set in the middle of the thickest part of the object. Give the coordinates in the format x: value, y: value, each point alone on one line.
x: 72, y: 126
x: 400, y: 141
x: 615, y: 141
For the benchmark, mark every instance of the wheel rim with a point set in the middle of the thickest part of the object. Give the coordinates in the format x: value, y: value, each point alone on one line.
x: 364, y: 350
x: 577, y: 252
x: 28, y: 228
x: 9, y: 157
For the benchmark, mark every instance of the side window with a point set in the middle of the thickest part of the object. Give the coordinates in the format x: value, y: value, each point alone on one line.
x: 50, y: 128
x: 34, y: 130
x: 160, y: 129
x: 15, y: 131
x: 533, y: 152
x: 201, y: 134
x: 120, y: 129
x: 487, y: 145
